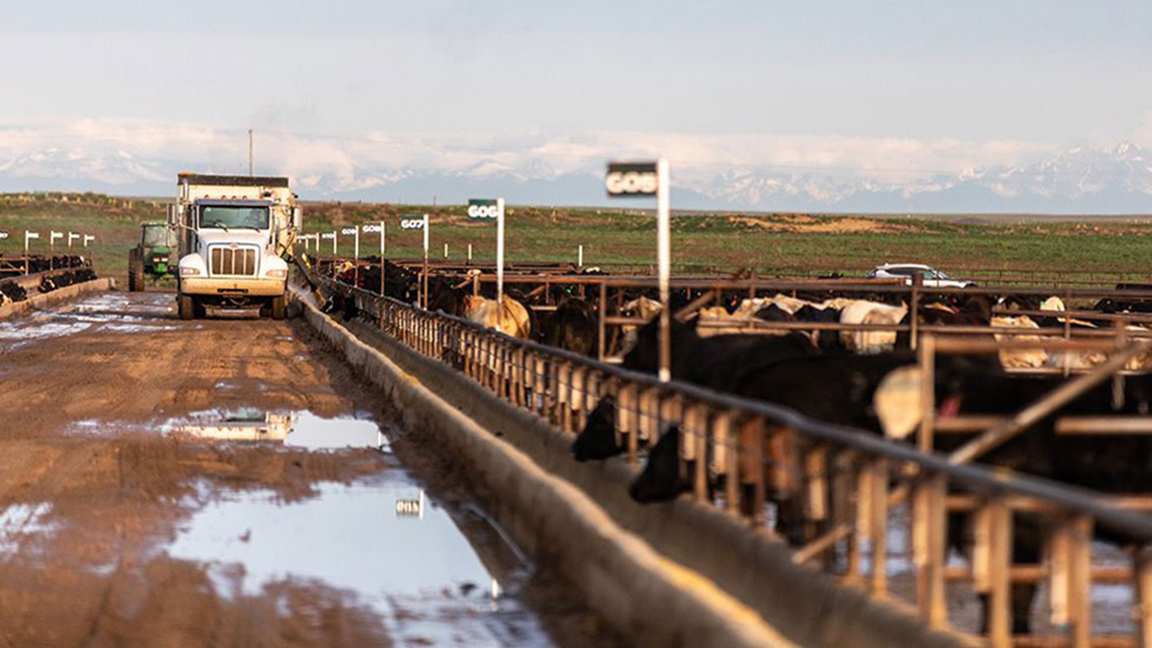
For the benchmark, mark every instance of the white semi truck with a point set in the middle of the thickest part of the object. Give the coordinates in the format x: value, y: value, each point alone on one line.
x: 235, y: 235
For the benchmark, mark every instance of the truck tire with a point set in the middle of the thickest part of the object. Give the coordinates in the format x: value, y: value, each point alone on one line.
x: 278, y: 309
x: 186, y: 306
x: 135, y: 271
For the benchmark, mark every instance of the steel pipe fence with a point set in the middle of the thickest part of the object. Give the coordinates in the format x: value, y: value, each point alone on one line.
x: 989, y: 277
x: 834, y: 487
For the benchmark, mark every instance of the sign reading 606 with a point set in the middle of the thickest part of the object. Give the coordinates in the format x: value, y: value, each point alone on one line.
x: 631, y: 179
x: 483, y: 208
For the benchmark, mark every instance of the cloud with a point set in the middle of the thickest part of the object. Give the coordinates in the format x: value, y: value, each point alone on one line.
x: 1142, y: 136
x: 124, y: 150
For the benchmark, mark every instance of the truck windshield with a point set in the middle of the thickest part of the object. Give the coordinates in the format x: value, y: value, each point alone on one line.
x: 159, y: 237
x: 231, y: 216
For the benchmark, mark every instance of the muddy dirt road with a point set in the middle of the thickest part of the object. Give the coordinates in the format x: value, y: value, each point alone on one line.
x: 123, y: 523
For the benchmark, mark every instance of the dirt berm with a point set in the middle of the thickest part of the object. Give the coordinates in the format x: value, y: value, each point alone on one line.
x: 679, y: 574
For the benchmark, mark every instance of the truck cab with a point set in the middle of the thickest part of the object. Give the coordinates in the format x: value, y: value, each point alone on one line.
x: 236, y: 232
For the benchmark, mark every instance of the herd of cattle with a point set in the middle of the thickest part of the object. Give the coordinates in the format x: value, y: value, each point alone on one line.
x: 844, y: 377
x: 79, y: 270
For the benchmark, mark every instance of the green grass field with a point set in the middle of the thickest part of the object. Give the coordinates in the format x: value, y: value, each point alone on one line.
x: 721, y: 241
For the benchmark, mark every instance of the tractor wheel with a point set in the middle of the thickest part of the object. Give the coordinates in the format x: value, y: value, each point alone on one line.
x: 187, y: 306
x: 135, y: 271
x: 278, y: 307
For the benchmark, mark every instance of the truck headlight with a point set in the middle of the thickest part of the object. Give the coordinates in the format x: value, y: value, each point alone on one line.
x: 189, y: 272
x: 278, y: 273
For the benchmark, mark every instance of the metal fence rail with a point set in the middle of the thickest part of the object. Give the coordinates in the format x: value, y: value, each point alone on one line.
x: 610, y: 293
x: 991, y: 277
x: 740, y: 455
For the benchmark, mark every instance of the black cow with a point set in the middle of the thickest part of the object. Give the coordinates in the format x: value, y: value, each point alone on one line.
x: 715, y: 362
x: 833, y: 389
x: 399, y: 283
x: 12, y: 291
x: 661, y: 480
x: 572, y: 326
x: 1115, y: 465
x: 827, y: 341
x: 446, y: 297
x: 976, y: 311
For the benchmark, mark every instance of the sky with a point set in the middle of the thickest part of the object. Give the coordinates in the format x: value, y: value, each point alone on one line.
x: 899, y: 87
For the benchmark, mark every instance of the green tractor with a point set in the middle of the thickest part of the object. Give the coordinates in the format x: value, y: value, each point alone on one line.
x: 154, y: 255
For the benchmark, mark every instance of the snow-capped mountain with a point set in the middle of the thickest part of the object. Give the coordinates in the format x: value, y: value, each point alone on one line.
x: 1079, y: 180
x: 1084, y: 179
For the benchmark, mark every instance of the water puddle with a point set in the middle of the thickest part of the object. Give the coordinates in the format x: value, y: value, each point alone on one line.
x: 303, y: 430
x: 111, y: 312
x: 384, y: 542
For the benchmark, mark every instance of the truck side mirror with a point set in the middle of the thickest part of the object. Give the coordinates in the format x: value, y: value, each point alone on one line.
x: 297, y: 218
x: 173, y: 216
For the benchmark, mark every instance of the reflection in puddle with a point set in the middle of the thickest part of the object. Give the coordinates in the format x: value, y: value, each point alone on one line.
x: 396, y: 551
x: 294, y: 429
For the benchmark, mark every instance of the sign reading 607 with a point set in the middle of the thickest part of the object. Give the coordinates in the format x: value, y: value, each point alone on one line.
x: 412, y: 223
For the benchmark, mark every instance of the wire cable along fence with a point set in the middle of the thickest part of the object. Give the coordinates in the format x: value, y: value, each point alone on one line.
x: 756, y: 460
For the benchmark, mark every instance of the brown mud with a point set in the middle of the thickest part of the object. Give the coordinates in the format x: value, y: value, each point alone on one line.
x: 95, y: 488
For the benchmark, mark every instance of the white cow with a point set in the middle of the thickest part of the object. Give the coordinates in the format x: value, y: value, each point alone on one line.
x: 866, y: 312
x: 1019, y: 358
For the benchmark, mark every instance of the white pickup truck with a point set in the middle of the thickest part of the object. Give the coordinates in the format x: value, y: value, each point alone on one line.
x: 235, y: 233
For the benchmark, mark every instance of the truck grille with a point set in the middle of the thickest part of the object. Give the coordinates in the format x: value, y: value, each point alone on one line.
x: 232, y: 261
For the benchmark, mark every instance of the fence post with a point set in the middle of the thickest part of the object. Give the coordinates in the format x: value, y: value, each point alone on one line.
x: 601, y: 332
x: 999, y: 571
x: 878, y: 508
x: 929, y: 549
x: 1142, y: 586
x: 1080, y: 581
x: 927, y: 353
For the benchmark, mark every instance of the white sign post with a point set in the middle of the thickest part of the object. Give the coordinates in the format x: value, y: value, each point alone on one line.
x: 72, y: 236
x: 469, y: 253
x: 579, y: 257
x: 354, y: 232
x: 484, y: 208
x: 369, y: 229
x: 28, y: 235
x: 638, y: 179
x: 52, y: 236
x: 327, y: 235
x: 426, y: 261
x: 87, y: 238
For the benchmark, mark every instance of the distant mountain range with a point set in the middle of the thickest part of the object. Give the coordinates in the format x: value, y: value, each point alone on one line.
x: 1085, y: 180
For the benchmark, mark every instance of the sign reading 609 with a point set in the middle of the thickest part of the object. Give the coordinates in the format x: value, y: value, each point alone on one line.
x: 412, y: 223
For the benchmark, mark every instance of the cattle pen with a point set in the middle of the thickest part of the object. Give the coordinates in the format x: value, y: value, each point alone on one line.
x: 750, y: 459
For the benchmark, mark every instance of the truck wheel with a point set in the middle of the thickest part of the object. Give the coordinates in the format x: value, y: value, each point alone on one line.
x: 278, y: 308
x: 187, y: 306
x: 135, y: 271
